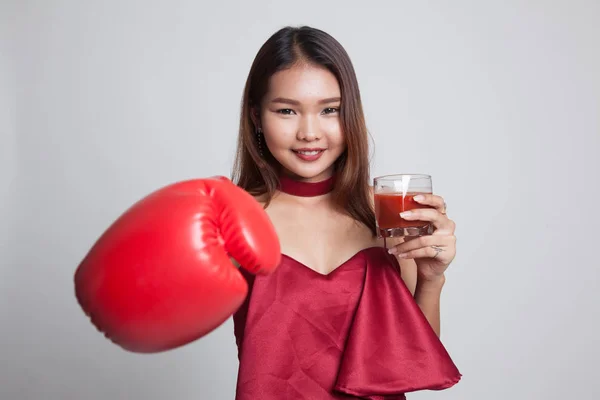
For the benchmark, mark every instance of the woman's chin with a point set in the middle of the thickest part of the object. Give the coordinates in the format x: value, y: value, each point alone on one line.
x: 309, y: 174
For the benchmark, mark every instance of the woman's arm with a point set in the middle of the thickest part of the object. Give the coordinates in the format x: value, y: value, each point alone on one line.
x: 432, y: 254
x: 427, y: 295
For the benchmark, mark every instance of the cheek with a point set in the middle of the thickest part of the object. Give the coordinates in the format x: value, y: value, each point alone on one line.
x: 335, y: 134
x: 278, y: 131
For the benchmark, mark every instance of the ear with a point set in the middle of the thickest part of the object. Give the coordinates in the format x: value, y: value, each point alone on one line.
x: 255, y: 115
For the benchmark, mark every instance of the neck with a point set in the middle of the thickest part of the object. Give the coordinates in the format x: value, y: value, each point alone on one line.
x: 295, y: 187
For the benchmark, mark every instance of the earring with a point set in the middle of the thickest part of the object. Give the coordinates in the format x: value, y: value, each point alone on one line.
x: 259, y: 136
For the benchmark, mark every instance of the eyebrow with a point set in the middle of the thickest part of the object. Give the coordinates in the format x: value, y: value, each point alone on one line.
x: 295, y: 102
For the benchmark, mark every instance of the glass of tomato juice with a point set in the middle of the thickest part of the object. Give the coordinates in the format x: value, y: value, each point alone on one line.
x: 395, y: 194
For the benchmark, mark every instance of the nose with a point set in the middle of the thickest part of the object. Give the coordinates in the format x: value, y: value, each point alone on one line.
x: 309, y: 129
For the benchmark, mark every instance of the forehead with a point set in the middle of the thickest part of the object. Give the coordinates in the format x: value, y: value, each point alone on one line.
x: 304, y: 83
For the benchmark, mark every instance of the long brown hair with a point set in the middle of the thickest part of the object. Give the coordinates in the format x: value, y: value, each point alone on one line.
x: 259, y: 174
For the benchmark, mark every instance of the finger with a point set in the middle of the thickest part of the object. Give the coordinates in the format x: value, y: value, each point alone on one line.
x: 415, y: 242
x: 428, y: 199
x: 437, y: 252
x: 409, y: 238
x: 423, y: 241
x: 440, y: 221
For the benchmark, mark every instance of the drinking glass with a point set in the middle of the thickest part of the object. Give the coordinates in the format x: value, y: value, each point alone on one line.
x: 395, y: 194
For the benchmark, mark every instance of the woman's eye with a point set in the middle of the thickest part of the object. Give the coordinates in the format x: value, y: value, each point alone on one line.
x: 330, y: 110
x: 285, y: 111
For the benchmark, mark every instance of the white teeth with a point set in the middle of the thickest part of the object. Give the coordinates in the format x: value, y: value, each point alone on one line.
x: 309, y: 153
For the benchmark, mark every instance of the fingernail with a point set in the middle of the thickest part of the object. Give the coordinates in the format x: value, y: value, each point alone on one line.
x: 393, y: 250
x: 401, y: 255
x: 405, y: 214
x: 419, y: 198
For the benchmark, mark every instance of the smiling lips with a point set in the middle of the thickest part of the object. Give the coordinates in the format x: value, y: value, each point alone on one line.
x: 309, y: 154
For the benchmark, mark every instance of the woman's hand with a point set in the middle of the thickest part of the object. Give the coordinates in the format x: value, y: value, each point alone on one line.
x: 432, y: 253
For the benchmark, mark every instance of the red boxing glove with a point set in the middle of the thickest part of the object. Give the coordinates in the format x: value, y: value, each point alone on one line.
x: 160, y: 276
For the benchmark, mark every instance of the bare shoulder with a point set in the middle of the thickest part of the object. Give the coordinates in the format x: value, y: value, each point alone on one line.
x: 261, y: 198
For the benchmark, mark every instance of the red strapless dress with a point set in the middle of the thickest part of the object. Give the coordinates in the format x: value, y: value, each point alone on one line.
x: 355, y: 333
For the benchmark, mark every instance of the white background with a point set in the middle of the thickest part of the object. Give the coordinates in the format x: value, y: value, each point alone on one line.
x: 102, y: 102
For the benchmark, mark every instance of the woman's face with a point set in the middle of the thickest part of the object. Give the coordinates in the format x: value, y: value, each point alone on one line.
x: 300, y: 121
